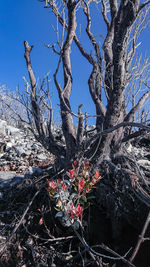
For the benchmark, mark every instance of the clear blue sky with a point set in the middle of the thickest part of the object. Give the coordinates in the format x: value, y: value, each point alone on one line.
x: 28, y: 20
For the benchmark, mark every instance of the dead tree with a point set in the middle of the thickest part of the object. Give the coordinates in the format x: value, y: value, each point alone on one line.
x: 114, y: 71
x: 124, y: 23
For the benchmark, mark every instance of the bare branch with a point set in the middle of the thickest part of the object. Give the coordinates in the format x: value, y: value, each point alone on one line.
x: 91, y: 36
x: 143, y: 5
x: 113, y: 8
x: 52, y: 5
x: 34, y: 104
x: 109, y: 130
x: 104, y: 13
x: 2, y: 247
x: 141, y: 238
x: 138, y: 106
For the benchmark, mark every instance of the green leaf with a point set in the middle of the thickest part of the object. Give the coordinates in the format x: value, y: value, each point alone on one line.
x: 84, y: 198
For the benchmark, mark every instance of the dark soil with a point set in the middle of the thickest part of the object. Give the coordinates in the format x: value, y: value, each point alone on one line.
x: 46, y: 242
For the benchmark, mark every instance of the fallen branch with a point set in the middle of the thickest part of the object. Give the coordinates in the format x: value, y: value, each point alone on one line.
x: 116, y: 254
x: 2, y: 248
x: 141, y: 238
x: 93, y: 253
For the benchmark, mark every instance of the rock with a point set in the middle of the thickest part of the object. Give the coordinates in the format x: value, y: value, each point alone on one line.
x: 1, y: 155
x: 9, y: 179
x: 137, y: 151
x: 19, y: 150
x: 129, y: 148
x: 42, y: 156
x: 6, y: 129
x: 35, y: 146
x: 3, y: 125
x: 8, y: 145
x: 33, y: 170
x: 10, y: 130
x: 6, y: 176
x: 143, y: 162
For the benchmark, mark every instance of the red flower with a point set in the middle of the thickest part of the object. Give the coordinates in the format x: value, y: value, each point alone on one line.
x: 75, y: 164
x: 87, y: 164
x: 81, y: 184
x: 52, y: 187
x: 41, y: 221
x: 96, y: 178
x: 59, y: 181
x: 77, y: 212
x: 97, y: 175
x: 52, y: 184
x: 72, y: 174
x: 64, y: 187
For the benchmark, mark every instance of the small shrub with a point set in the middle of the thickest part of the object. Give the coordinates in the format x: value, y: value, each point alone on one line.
x: 71, y: 194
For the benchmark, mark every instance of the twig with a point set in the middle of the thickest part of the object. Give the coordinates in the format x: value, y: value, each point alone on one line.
x: 47, y: 240
x: 116, y: 254
x: 20, y: 222
x: 141, y: 238
x: 47, y: 175
x: 94, y: 253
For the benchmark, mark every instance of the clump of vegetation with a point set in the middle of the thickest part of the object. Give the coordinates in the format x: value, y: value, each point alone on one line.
x: 71, y: 196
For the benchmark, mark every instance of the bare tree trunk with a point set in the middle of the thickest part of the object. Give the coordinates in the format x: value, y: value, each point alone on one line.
x: 64, y: 95
x: 67, y: 120
x: 115, y: 49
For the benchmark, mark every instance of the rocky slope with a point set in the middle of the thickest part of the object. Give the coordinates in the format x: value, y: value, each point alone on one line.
x: 20, y: 154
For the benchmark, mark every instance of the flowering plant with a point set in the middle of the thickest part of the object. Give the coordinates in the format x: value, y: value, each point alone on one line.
x: 70, y: 194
